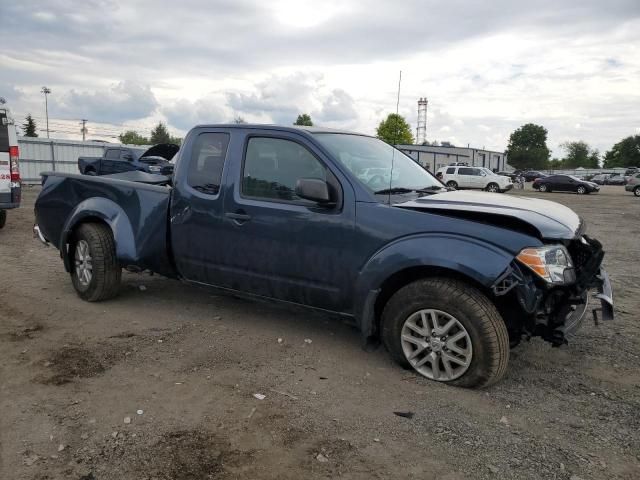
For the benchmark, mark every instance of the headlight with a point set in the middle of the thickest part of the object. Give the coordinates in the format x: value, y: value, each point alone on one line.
x: 551, y: 263
x: 154, y: 168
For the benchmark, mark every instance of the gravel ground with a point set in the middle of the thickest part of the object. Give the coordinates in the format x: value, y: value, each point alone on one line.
x: 160, y: 382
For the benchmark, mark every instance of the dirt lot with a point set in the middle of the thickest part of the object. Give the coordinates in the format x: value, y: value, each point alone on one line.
x: 160, y: 382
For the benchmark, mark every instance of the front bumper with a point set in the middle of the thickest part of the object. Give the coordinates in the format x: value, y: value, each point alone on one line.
x: 507, y: 187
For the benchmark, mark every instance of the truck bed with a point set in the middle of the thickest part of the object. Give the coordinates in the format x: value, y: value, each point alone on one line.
x: 137, y: 213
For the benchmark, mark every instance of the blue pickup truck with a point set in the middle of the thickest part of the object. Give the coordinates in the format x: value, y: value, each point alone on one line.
x: 448, y: 281
x: 156, y: 159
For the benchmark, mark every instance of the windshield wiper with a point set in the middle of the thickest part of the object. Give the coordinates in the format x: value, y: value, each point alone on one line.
x: 394, y: 190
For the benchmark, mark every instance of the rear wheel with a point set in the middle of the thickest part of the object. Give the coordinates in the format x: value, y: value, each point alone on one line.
x: 493, y: 187
x: 3, y: 218
x: 581, y: 190
x: 446, y: 331
x: 543, y: 188
x: 95, y: 272
x: 452, y: 184
x: 636, y: 191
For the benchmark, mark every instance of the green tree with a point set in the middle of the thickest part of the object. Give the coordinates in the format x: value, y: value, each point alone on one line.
x: 579, y: 154
x: 131, y: 137
x: 304, y: 120
x: 554, y: 164
x: 395, y: 130
x: 160, y: 134
x: 29, y: 126
x: 176, y: 140
x: 625, y: 153
x: 528, y: 147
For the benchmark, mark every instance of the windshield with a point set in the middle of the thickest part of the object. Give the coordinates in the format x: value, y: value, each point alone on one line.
x: 489, y: 172
x: 369, y: 159
x: 137, y: 153
x: 574, y: 177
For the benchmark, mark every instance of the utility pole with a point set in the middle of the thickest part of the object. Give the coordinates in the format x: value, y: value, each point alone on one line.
x: 83, y: 122
x: 46, y: 91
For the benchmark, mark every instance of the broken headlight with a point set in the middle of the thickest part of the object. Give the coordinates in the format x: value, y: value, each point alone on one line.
x: 552, y: 263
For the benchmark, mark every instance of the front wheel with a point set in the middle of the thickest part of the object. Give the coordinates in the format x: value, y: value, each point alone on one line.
x: 3, y: 218
x: 95, y: 272
x: 493, y: 188
x: 543, y: 188
x: 446, y: 331
x: 452, y: 184
x: 636, y: 191
x: 581, y: 190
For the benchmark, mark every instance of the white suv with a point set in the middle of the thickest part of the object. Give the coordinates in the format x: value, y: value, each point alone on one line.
x: 474, y: 177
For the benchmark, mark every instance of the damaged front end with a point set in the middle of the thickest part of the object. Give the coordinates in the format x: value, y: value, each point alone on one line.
x: 545, y: 290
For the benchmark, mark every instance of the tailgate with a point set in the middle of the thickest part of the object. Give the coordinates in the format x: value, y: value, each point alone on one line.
x: 5, y: 168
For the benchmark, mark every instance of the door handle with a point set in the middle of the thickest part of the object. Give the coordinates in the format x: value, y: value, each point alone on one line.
x: 238, y: 217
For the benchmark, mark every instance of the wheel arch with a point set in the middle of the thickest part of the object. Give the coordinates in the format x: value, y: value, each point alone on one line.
x: 106, y: 212
x: 477, y: 263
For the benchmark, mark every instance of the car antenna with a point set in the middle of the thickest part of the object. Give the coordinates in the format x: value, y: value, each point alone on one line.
x: 395, y: 136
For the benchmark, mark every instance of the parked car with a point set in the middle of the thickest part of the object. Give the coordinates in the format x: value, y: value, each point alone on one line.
x: 474, y: 178
x: 633, y: 185
x: 10, y: 186
x: 609, y: 179
x: 631, y: 171
x: 511, y: 175
x: 126, y: 159
x: 564, y: 183
x: 447, y: 280
x: 531, y: 175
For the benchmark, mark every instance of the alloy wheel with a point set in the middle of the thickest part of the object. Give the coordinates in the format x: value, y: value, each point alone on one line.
x: 436, y: 345
x: 83, y: 263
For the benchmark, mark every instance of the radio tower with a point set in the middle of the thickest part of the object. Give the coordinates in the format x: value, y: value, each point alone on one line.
x: 421, y: 133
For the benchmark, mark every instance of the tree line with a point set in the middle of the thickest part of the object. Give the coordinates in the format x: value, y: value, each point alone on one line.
x: 527, y: 146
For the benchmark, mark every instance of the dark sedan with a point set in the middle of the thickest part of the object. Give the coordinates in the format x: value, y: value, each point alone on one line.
x: 531, y: 175
x: 564, y: 183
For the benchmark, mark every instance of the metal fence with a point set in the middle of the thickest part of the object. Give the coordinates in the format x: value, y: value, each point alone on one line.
x: 44, y: 155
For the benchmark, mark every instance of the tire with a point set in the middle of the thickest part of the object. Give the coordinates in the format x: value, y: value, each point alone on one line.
x: 493, y: 187
x: 452, y: 184
x: 581, y: 190
x: 103, y: 281
x: 485, y: 336
x: 3, y: 218
x: 543, y: 188
x: 636, y: 191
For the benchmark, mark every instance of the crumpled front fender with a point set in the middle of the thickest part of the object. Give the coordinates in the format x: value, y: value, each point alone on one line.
x: 469, y: 257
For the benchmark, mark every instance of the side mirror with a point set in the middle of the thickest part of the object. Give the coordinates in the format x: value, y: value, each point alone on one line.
x: 313, y: 189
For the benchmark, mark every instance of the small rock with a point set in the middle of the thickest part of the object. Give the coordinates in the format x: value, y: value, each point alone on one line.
x: 259, y: 396
x: 280, y: 340
x: 493, y: 468
x: 404, y: 414
x: 31, y: 459
x: 139, y: 412
x: 51, y: 438
x: 561, y: 467
x: 84, y: 436
x: 127, y: 420
x: 160, y: 341
x: 504, y: 420
x: 47, y: 364
x: 321, y: 458
x: 142, y: 288
x: 61, y: 447
x: 308, y: 340
x: 114, y: 434
x: 376, y: 439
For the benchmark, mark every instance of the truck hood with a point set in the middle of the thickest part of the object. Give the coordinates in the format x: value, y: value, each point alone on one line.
x: 164, y: 150
x: 550, y: 220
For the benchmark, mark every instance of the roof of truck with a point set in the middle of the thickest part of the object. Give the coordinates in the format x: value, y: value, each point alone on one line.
x: 290, y: 128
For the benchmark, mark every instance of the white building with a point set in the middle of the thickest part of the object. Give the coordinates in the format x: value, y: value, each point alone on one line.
x: 432, y: 158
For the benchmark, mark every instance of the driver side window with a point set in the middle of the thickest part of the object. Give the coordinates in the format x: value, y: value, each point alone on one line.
x: 272, y: 166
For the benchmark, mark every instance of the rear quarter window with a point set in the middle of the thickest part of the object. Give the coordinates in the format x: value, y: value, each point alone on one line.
x: 207, y: 161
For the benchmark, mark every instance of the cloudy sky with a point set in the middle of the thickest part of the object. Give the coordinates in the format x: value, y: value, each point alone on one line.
x: 486, y: 67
